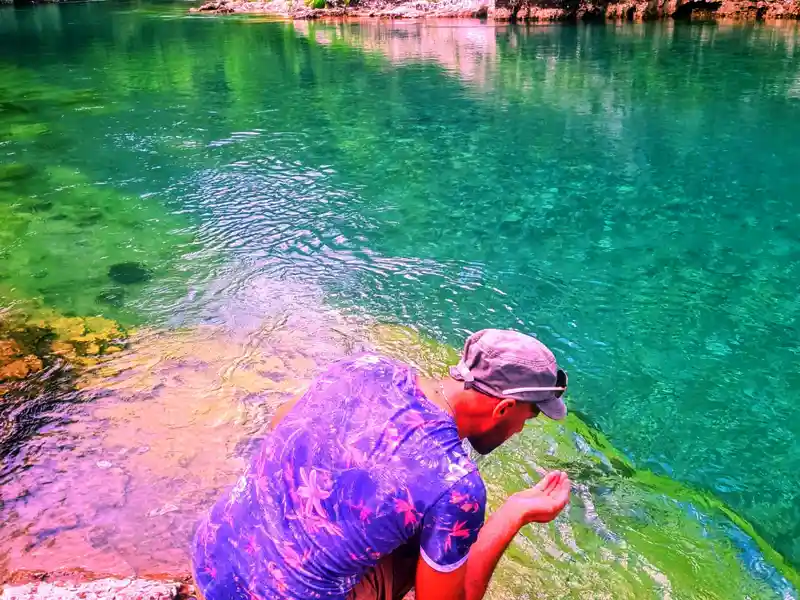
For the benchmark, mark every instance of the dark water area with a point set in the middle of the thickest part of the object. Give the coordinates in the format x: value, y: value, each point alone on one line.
x: 629, y: 194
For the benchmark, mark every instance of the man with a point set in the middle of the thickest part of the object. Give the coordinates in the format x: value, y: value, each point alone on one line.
x: 364, y: 489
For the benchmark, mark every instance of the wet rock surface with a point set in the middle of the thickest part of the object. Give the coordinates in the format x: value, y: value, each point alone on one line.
x: 102, y: 589
x: 163, y: 425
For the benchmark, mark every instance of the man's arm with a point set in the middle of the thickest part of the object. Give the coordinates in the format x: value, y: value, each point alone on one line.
x: 542, y: 503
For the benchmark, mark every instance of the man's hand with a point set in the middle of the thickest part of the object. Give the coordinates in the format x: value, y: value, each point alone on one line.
x: 544, y: 501
x: 541, y: 504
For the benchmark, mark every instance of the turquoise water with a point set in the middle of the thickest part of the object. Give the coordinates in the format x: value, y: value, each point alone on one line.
x: 627, y: 193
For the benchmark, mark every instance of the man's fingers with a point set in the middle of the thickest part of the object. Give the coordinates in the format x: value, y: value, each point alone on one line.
x: 561, y: 494
x: 547, y: 482
x: 554, y: 482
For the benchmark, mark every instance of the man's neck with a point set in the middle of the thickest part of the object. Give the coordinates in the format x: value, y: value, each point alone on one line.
x: 432, y: 388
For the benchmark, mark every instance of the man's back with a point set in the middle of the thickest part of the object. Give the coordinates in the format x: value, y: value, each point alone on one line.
x: 363, y: 463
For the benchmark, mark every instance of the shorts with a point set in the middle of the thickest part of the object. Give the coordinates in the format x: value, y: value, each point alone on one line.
x: 391, y: 579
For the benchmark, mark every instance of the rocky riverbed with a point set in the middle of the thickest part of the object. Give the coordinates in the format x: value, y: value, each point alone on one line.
x: 103, y: 503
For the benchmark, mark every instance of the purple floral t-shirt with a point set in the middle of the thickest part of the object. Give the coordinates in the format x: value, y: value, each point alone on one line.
x: 359, y: 466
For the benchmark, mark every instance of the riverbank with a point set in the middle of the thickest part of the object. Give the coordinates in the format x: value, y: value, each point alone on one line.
x: 512, y: 10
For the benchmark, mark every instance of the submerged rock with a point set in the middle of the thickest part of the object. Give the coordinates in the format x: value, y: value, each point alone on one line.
x: 127, y: 273
x: 17, y: 354
x: 20, y: 368
x: 13, y: 173
x: 112, y: 297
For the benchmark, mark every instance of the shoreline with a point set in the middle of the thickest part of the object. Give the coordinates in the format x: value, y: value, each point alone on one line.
x: 505, y: 11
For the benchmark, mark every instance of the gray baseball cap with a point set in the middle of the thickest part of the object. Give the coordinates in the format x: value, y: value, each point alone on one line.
x: 508, y: 364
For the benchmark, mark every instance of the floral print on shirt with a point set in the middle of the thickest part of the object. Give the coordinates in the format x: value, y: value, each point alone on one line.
x: 359, y: 466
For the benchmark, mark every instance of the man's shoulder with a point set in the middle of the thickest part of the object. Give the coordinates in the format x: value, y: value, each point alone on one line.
x: 462, y: 470
x: 366, y: 362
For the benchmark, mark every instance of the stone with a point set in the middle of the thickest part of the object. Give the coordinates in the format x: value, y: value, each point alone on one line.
x: 102, y: 589
x: 127, y: 273
x: 21, y: 368
x: 112, y: 297
x: 302, y: 366
x: 62, y: 348
x: 8, y: 350
x: 64, y: 327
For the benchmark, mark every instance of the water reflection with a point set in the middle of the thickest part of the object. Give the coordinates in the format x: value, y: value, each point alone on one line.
x: 466, y: 49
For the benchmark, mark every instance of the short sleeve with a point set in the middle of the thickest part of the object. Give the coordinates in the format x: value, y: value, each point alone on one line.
x: 451, y: 526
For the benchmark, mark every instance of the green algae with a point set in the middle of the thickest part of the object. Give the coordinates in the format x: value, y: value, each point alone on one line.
x: 62, y: 234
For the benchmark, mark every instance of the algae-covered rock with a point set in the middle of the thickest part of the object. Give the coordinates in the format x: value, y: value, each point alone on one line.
x: 20, y: 368
x: 82, y: 339
x: 8, y: 349
x: 127, y: 273
x: 404, y: 343
x: 13, y: 173
x: 21, y: 347
x: 27, y: 343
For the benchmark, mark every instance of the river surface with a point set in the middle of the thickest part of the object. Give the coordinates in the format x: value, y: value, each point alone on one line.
x: 237, y: 191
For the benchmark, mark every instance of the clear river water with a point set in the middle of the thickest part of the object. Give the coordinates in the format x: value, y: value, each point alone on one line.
x: 247, y: 199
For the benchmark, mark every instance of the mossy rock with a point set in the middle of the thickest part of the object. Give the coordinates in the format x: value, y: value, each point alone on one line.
x: 15, y: 363
x: 82, y: 340
x: 25, y: 131
x: 28, y: 343
x: 14, y: 173
x: 127, y: 273
x: 409, y: 345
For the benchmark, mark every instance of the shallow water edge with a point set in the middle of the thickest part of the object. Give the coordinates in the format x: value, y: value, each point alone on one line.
x: 158, y: 430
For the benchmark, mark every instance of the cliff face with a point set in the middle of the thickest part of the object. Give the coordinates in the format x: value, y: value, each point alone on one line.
x: 644, y: 10
x: 519, y: 10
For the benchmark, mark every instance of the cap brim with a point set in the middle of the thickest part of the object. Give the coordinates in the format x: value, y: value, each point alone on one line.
x: 553, y: 408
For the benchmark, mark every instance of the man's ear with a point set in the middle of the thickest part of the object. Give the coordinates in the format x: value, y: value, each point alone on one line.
x: 503, y: 407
